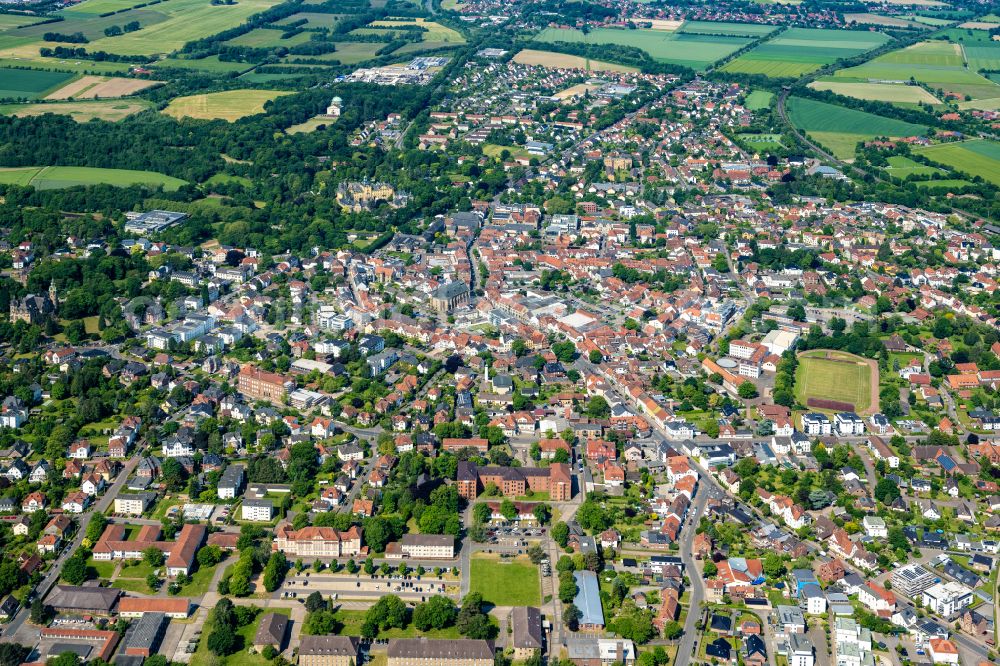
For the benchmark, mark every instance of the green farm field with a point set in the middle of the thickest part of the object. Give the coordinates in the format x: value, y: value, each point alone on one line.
x: 29, y: 84
x: 210, y: 64
x: 825, y: 122
x: 98, y: 7
x: 505, y: 582
x: 883, y: 92
x: 904, y: 167
x: 689, y: 50
x: 798, y: 51
x: 434, y: 32
x: 936, y: 64
x: 943, y: 184
x: 56, y: 177
x: 182, y: 21
x: 265, y: 38
x: 313, y: 20
x: 723, y: 28
x: 835, y: 375
x: 16, y: 20
x: 350, y: 53
x: 65, y: 65
x: 978, y: 157
x: 759, y: 99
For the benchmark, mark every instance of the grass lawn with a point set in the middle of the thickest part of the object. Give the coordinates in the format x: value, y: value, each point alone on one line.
x: 52, y: 177
x: 132, y: 585
x: 842, y: 377
x: 511, y: 582
x: 229, y: 105
x: 244, y: 641
x: 137, y: 570
x: 102, y: 569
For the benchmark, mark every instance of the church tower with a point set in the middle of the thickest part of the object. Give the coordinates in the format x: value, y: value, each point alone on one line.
x: 53, y: 295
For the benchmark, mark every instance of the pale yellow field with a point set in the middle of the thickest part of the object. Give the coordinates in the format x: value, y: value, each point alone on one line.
x: 885, y: 92
x: 660, y: 24
x: 576, y: 91
x: 311, y: 125
x: 111, y: 110
x: 229, y: 105
x: 565, y: 61
x: 979, y: 25
x: 877, y: 19
x: 96, y: 87
x: 435, y: 31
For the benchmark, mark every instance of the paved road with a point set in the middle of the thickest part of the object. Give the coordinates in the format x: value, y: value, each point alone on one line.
x: 43, y: 588
x: 686, y: 645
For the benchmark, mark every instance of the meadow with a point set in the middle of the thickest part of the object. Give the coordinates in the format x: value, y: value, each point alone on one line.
x: 903, y: 167
x: 758, y: 100
x: 229, y: 105
x: 57, y: 177
x: 799, y: 51
x: 211, y: 64
x: 30, y: 84
x: 689, y: 50
x: 839, y: 129
x: 111, y: 110
x: 350, y: 53
x: 434, y: 32
x: 978, y: 157
x: 313, y: 20
x: 16, y: 20
x: 834, y: 375
x: 722, y: 28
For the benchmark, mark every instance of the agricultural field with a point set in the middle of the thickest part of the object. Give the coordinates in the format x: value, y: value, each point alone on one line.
x: 16, y: 20
x: 180, y: 21
x: 56, y: 177
x: 722, y: 28
x: 435, y: 32
x: 678, y: 48
x: 313, y: 20
x: 839, y: 129
x: 111, y: 110
x: 65, y: 65
x: 879, y: 19
x: 943, y: 184
x: 563, y: 60
x: 211, y: 64
x: 29, y: 84
x: 798, y: 51
x: 904, y: 167
x: 834, y: 375
x: 98, y: 7
x: 268, y: 38
x: 350, y: 53
x: 505, y: 582
x: 896, y: 93
x: 229, y: 105
x: 978, y: 157
x: 97, y: 87
x: 937, y: 64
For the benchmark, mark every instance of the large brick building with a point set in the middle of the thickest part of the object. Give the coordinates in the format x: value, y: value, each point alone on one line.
x: 516, y: 481
x: 256, y: 384
x: 317, y: 541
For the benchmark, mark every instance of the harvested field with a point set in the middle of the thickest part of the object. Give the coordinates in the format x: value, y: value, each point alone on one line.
x: 565, y: 61
x: 96, y: 87
x: 883, y: 92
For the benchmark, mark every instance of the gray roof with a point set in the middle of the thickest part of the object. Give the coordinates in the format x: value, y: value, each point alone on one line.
x: 526, y: 626
x: 146, y: 633
x: 329, y: 646
x: 74, y: 597
x: 272, y: 630
x: 424, y: 648
x: 588, y: 598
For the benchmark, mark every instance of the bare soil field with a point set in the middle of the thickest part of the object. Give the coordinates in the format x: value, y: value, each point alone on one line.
x: 98, y: 87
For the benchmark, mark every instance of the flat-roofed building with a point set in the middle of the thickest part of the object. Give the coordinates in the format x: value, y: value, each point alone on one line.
x: 911, y: 580
x: 143, y: 638
x: 451, y: 652
x: 588, y: 600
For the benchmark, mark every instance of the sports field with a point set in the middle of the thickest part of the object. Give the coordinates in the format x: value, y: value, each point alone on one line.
x: 884, y: 92
x: 678, y: 48
x: 761, y: 142
x: 56, y: 177
x: 839, y: 128
x: 229, y: 105
x: 904, y: 167
x: 834, y: 375
x: 978, y: 157
x: 563, y: 60
x: 505, y: 582
x: 937, y: 64
x: 112, y: 110
x: 798, y: 51
x: 29, y: 83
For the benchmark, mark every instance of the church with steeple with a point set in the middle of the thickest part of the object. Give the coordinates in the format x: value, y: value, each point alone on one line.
x: 35, y: 308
